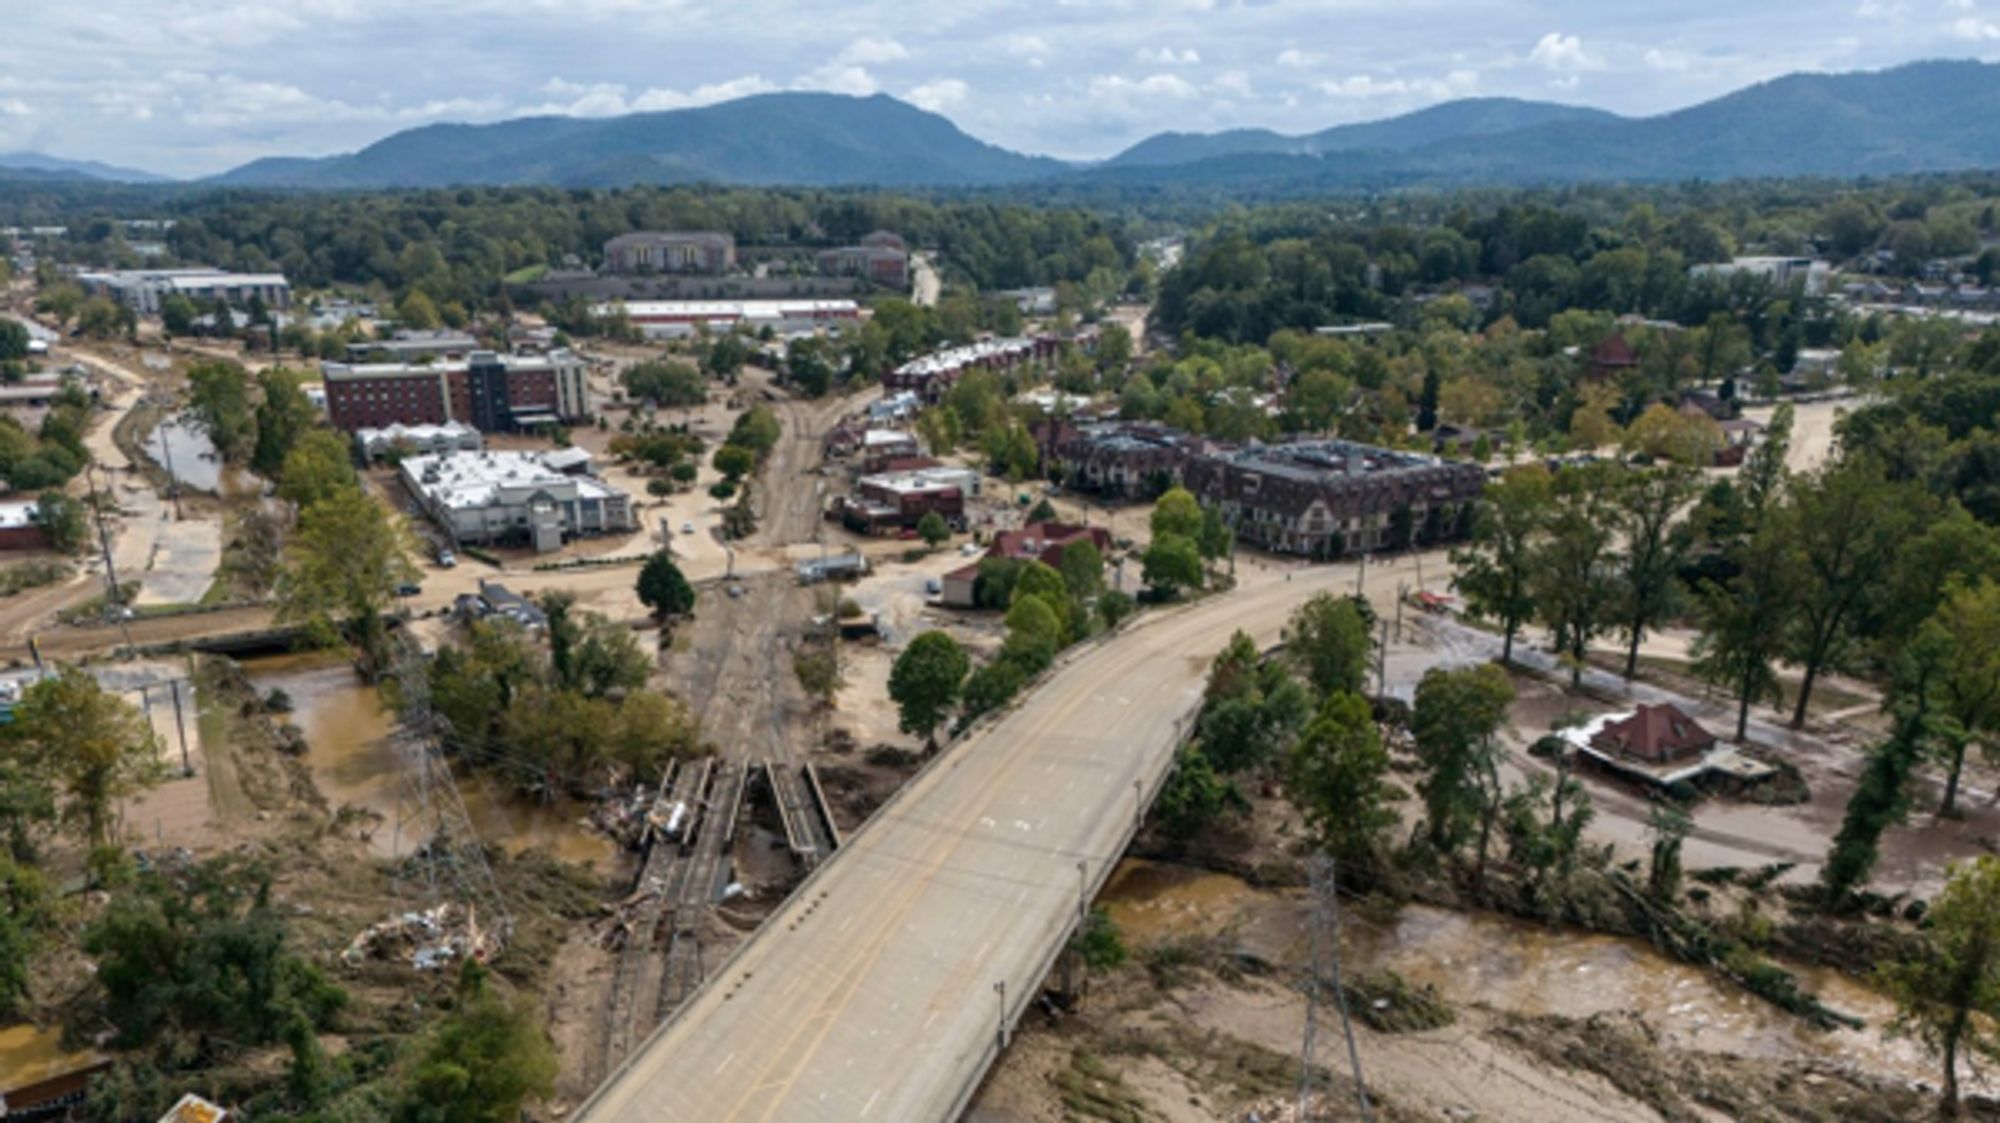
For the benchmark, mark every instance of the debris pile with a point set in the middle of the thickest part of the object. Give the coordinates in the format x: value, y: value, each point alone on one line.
x: 430, y: 939
x: 639, y: 910
x: 623, y: 817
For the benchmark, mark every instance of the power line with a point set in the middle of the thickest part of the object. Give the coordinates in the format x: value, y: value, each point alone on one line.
x: 1325, y: 934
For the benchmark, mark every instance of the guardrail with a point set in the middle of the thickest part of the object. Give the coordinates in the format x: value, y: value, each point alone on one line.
x: 946, y: 755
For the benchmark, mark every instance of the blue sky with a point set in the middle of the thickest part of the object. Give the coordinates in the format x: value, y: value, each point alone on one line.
x: 199, y: 86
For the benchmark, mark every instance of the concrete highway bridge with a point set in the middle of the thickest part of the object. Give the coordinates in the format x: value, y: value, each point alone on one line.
x: 889, y: 982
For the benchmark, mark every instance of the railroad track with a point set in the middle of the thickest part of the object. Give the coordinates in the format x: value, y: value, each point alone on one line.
x: 632, y: 1011
x: 700, y: 875
x: 809, y: 828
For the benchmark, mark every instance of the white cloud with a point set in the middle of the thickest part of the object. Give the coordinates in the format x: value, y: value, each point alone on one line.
x: 1234, y: 83
x: 1295, y: 59
x: 1152, y: 86
x: 610, y: 99
x: 1961, y: 5
x: 837, y: 78
x: 1365, y: 86
x: 1167, y: 56
x: 868, y: 52
x: 1975, y: 29
x: 939, y: 95
x: 1032, y: 50
x: 1557, y: 51
x: 14, y: 107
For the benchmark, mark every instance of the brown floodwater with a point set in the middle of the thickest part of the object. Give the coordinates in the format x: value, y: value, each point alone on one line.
x: 355, y: 760
x: 195, y: 461
x: 1508, y: 964
x: 29, y: 1055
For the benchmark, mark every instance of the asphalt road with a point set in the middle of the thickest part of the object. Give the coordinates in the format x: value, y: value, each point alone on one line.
x: 871, y: 994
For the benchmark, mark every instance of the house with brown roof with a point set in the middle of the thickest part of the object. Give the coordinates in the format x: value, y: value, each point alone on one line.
x: 1043, y: 542
x: 1612, y: 357
x: 1659, y: 734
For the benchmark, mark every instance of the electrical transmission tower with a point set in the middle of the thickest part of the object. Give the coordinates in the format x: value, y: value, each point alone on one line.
x: 449, y: 859
x: 1324, y: 964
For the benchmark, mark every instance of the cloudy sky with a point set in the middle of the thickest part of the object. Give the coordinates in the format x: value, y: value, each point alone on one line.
x: 197, y: 86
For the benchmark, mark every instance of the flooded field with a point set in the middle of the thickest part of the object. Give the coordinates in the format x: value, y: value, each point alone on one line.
x: 355, y: 760
x: 179, y: 445
x: 1506, y: 964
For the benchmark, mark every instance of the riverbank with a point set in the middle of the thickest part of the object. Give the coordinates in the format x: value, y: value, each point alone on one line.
x: 1205, y: 1019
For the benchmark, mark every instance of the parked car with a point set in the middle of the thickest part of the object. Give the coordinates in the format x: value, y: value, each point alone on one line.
x: 408, y: 589
x: 447, y: 559
x: 687, y: 528
x: 934, y: 586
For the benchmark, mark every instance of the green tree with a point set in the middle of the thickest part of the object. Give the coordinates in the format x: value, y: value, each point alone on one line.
x: 96, y: 748
x: 1881, y: 799
x: 1194, y: 796
x: 1327, y: 640
x: 1171, y: 563
x: 316, y: 467
x: 734, y: 462
x: 219, y: 402
x: 663, y: 588
x: 1338, y: 778
x: 199, y: 963
x: 417, y: 312
x: 1948, y: 994
x: 1847, y: 524
x: 1669, y: 826
x: 342, y: 569
x: 177, y: 314
x: 925, y: 683
x: 933, y: 529
x: 1655, y: 547
x: 25, y: 913
x: 1741, y: 622
x: 1034, y: 632
x: 1455, y: 719
x: 1177, y: 513
x: 13, y: 341
x: 1572, y: 577
x: 62, y: 517
x: 282, y: 418
x: 1968, y: 624
x: 1082, y: 569
x: 1496, y: 567
x: 481, y: 1062
x: 1098, y: 943
x: 670, y: 385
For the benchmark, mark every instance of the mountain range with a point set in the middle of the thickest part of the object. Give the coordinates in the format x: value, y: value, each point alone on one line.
x: 1920, y: 117
x: 34, y: 165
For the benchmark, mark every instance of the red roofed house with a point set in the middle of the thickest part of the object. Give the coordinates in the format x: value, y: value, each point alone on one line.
x: 1656, y: 735
x: 1043, y: 542
x: 1612, y: 357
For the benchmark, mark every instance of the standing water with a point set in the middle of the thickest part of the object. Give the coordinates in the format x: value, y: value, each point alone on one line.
x: 179, y: 442
x: 356, y: 761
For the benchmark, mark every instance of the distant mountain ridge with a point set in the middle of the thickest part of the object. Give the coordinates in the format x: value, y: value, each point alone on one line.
x: 788, y: 138
x: 57, y: 167
x: 1449, y: 120
x: 1926, y: 116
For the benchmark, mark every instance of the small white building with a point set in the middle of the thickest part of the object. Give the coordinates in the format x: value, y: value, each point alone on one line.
x: 518, y: 497
x: 434, y: 440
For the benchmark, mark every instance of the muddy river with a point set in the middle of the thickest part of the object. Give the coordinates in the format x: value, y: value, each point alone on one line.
x: 355, y: 761
x: 1506, y: 964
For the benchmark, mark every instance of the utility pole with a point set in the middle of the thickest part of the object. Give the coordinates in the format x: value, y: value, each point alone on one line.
x: 180, y: 727
x: 167, y: 458
x: 1000, y: 989
x: 1325, y: 937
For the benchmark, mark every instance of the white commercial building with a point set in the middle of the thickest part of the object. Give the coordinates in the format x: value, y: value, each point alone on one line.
x: 672, y: 318
x: 515, y: 497
x: 1784, y: 272
x: 423, y: 439
x: 142, y: 290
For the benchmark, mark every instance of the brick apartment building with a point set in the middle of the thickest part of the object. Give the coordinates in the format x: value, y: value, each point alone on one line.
x: 705, y: 252
x: 1327, y: 498
x: 1136, y: 459
x: 880, y: 257
x: 491, y: 392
